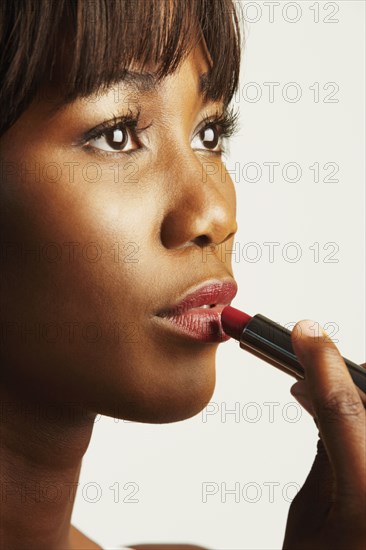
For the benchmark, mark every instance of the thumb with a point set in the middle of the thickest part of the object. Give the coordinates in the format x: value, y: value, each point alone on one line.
x: 339, y: 410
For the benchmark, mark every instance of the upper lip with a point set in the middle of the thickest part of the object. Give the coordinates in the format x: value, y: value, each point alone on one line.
x: 210, y: 292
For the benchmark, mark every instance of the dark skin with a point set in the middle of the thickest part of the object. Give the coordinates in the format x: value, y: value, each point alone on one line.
x: 328, y: 513
x: 164, y: 212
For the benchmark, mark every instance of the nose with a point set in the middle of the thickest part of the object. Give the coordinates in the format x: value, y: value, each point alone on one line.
x: 201, y: 205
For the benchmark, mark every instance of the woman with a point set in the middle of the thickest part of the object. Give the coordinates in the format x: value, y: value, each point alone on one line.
x: 113, y: 114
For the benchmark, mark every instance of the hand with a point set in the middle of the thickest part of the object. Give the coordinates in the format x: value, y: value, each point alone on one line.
x: 329, y: 512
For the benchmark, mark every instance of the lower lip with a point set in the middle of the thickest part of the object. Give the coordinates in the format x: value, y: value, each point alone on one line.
x: 199, y: 324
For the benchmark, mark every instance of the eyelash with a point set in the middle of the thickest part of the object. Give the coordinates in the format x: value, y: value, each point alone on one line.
x: 226, y: 121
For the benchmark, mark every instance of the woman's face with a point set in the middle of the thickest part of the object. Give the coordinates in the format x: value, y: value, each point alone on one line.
x: 94, y: 245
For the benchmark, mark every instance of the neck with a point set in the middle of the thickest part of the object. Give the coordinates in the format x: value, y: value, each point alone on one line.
x: 42, y: 445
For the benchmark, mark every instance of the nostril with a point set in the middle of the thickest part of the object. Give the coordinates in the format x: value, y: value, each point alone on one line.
x: 202, y: 240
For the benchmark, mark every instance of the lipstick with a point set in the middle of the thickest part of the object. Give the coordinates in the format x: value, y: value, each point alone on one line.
x: 271, y: 342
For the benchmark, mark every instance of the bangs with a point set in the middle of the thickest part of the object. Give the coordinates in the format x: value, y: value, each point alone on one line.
x: 84, y: 46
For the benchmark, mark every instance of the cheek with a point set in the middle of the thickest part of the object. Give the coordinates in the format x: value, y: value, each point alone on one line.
x: 63, y: 262
x: 64, y: 253
x: 78, y: 278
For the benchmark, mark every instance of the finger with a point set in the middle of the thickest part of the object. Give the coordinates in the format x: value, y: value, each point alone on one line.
x: 319, y: 486
x: 313, y: 502
x: 337, y: 405
x: 361, y: 393
x: 299, y: 392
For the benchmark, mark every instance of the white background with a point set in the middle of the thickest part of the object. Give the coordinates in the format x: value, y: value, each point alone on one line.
x: 167, y: 465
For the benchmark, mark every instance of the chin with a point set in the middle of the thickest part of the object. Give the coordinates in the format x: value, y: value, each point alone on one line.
x: 169, y: 414
x: 160, y: 386
x: 163, y: 403
x: 182, y: 410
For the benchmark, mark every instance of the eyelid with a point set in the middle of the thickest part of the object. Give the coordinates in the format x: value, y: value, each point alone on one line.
x: 128, y: 120
x: 227, y: 119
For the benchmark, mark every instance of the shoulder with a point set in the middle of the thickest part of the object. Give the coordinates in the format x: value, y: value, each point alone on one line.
x: 166, y: 547
x: 78, y: 541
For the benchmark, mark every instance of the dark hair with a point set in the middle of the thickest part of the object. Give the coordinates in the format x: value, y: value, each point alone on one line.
x: 101, y: 38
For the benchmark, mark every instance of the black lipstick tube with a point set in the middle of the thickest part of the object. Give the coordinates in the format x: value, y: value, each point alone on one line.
x: 272, y: 343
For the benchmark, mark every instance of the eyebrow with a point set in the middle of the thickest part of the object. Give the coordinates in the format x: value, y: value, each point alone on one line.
x: 142, y: 83
x: 146, y: 82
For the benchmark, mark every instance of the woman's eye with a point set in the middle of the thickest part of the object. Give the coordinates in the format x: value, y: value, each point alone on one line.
x: 113, y: 140
x: 209, y: 136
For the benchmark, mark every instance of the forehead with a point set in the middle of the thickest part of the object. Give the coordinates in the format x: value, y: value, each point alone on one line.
x: 194, y: 72
x: 76, y: 48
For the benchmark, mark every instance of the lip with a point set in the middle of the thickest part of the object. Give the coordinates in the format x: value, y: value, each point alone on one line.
x: 201, y: 324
